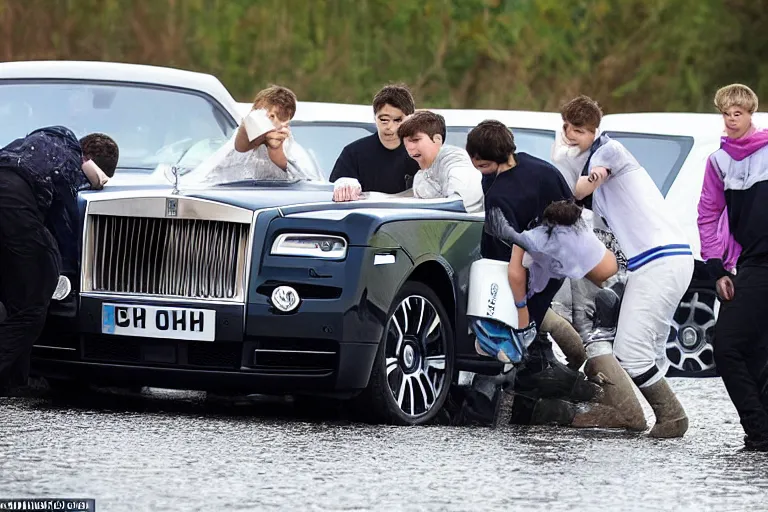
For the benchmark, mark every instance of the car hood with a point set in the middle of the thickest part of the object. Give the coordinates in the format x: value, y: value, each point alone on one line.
x: 293, y: 197
x: 245, y: 195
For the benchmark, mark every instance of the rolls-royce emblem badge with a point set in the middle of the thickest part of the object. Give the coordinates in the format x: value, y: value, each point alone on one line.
x: 171, y: 207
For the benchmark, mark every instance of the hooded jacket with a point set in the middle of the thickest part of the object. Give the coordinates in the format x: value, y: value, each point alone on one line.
x: 736, y: 182
x: 451, y: 173
x: 50, y: 161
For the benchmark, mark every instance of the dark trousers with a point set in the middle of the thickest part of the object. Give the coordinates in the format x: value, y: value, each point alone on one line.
x: 741, y: 349
x: 29, y: 270
x: 542, y: 301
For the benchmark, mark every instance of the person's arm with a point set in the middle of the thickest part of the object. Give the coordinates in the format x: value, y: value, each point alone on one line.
x: 586, y: 185
x: 518, y: 282
x: 464, y: 180
x: 242, y: 144
x: 346, y: 177
x: 345, y: 166
x: 710, y: 210
x: 607, y: 268
x: 273, y: 140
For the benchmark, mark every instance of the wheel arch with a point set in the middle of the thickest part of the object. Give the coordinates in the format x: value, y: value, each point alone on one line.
x: 437, y: 275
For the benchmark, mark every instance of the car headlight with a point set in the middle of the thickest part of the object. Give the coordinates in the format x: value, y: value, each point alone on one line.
x: 310, y: 245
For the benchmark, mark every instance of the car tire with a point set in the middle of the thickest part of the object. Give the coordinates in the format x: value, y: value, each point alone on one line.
x: 691, y: 336
x: 414, y: 365
x: 67, y: 386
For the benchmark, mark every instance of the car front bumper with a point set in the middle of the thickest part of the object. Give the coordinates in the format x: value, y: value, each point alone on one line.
x: 263, y: 353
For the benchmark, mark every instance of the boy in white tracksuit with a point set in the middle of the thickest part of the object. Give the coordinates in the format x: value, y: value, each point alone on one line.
x: 660, y: 262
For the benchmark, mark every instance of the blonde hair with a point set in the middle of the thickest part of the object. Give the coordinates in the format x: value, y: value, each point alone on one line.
x: 736, y: 95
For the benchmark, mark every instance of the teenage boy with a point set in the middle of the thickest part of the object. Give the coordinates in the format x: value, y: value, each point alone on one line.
x: 444, y: 170
x: 40, y: 176
x: 736, y: 177
x: 521, y: 188
x: 266, y: 157
x: 660, y: 262
x: 379, y: 162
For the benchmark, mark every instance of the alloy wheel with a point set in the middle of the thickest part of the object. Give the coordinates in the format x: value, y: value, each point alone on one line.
x: 689, y: 347
x: 415, y: 356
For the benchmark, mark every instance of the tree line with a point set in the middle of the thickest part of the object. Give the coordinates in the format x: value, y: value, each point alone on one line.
x: 631, y: 55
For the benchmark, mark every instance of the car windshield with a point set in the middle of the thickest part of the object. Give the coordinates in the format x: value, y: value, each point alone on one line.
x: 152, y: 126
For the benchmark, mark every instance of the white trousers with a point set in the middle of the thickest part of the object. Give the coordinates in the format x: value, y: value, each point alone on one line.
x: 652, y: 295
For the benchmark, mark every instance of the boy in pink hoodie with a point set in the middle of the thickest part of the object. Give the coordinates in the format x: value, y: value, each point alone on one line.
x: 736, y: 178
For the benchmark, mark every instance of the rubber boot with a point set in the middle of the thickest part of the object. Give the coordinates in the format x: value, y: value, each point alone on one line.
x: 618, y: 388
x: 528, y: 410
x: 483, y: 398
x: 600, y: 415
x: 671, y: 420
x: 566, y: 338
x: 543, y: 376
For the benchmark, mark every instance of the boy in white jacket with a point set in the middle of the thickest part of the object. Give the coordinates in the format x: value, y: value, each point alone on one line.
x: 660, y: 262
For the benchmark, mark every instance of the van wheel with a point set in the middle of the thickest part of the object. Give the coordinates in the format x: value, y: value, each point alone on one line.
x: 414, y: 365
x: 691, y: 337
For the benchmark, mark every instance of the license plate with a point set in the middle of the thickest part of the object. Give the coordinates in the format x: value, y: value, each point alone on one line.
x: 159, y: 322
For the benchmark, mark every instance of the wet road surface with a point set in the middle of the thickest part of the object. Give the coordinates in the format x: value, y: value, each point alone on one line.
x: 165, y: 450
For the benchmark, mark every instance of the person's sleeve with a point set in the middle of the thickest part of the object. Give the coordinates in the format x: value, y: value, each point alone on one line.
x: 568, y: 160
x: 497, y: 225
x: 464, y: 180
x: 345, y: 166
x: 609, y: 155
x: 556, y: 189
x: 593, y: 251
x: 710, y: 210
x: 731, y: 248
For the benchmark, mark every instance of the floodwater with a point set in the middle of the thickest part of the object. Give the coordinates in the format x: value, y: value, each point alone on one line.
x: 162, y: 450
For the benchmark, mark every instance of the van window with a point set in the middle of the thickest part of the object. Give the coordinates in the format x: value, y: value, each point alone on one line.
x: 661, y: 155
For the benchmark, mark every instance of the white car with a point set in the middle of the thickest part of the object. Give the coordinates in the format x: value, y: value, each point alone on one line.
x: 156, y: 115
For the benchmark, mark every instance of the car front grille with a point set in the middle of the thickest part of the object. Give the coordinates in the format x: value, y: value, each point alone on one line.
x: 190, y: 258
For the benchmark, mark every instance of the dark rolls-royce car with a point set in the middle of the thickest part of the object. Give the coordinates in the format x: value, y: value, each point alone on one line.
x: 270, y: 288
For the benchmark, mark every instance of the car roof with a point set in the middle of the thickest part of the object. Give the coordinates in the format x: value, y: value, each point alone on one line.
x: 511, y: 118
x: 119, y: 72
x: 310, y: 111
x: 313, y: 111
x: 697, y: 125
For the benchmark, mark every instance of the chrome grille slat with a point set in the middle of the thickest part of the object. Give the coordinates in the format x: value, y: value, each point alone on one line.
x: 189, y: 258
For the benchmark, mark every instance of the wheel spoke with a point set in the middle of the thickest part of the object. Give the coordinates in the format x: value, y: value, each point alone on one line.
x: 427, y: 404
x: 401, y: 394
x: 405, y: 313
x: 692, y: 308
x: 435, y: 324
x: 431, y: 385
x: 399, y: 335
x: 391, y: 363
x: 410, y: 387
x: 421, y: 315
x: 436, y: 362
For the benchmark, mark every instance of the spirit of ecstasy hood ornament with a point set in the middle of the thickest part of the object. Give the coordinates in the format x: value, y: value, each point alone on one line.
x: 175, y: 172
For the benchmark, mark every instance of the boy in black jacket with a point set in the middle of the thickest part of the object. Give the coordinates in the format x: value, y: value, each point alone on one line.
x: 40, y: 176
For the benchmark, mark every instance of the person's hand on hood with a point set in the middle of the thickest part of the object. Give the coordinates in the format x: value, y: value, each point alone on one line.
x: 95, y: 175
